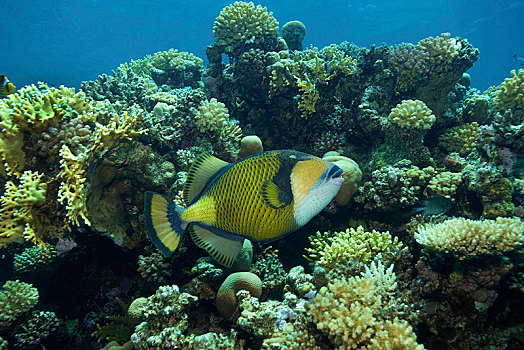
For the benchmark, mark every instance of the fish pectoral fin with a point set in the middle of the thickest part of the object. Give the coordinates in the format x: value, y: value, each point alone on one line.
x: 202, y: 169
x: 223, y: 250
x: 274, y: 196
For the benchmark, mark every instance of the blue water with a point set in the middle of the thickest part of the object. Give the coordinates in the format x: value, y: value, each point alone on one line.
x: 66, y: 42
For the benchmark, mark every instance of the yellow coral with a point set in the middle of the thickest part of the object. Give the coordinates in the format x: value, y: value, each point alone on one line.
x: 17, y: 222
x: 309, y: 96
x: 212, y: 115
x: 460, y: 139
x: 359, y: 312
x: 466, y: 238
x: 511, y: 95
x: 444, y: 183
x: 442, y: 50
x: 72, y: 189
x: 32, y: 110
x: 412, y: 114
x: 351, y: 246
x: 242, y: 23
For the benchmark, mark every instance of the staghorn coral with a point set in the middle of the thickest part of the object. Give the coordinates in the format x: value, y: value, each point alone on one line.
x: 241, y: 26
x: 353, y: 248
x: 16, y: 298
x: 362, y: 312
x: 465, y: 238
x: 511, y: 96
x: 33, y: 257
x: 17, y: 222
x: 412, y: 114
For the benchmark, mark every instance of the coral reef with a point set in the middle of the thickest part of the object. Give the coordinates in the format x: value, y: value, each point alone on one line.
x: 226, y: 301
x: 16, y: 298
x: 466, y: 238
x: 364, y: 312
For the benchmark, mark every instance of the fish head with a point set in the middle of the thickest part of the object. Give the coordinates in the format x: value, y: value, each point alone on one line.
x: 314, y: 182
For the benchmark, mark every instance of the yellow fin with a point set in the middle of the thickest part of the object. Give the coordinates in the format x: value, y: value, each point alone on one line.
x: 163, y: 222
x: 223, y: 250
x: 274, y: 196
x: 202, y: 169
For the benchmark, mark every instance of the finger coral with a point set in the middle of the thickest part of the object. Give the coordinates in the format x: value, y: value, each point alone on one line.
x: 412, y: 114
x: 363, y: 312
x: 352, y: 247
x: 465, y: 238
x: 242, y: 24
x: 16, y: 298
x: 511, y: 95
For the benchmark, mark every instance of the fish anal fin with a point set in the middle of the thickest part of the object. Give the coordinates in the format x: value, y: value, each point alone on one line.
x: 274, y: 196
x: 223, y: 250
x: 202, y: 169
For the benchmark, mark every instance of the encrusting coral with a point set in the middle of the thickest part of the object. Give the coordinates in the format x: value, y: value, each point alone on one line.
x: 465, y: 238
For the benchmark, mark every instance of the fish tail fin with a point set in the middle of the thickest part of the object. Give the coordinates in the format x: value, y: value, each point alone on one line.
x: 163, y: 222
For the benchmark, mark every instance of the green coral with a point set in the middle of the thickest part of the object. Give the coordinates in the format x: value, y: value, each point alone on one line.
x: 460, y: 139
x: 16, y: 298
x: 33, y: 257
x: 353, y: 247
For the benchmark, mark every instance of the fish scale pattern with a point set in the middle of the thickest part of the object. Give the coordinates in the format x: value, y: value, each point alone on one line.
x: 240, y: 207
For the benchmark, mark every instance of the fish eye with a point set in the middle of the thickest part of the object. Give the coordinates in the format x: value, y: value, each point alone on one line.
x: 293, y: 158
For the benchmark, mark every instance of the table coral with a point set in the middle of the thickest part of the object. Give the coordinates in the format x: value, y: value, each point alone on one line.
x: 16, y: 298
x: 362, y: 312
x: 465, y: 238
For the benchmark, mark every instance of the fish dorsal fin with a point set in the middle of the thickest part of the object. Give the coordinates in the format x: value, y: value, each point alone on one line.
x: 202, y: 169
x: 275, y: 197
x: 223, y: 250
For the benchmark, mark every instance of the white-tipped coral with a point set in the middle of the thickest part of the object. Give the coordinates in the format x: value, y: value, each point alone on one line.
x: 466, y: 238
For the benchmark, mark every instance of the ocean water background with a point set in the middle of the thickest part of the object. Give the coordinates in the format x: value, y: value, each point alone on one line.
x: 66, y: 42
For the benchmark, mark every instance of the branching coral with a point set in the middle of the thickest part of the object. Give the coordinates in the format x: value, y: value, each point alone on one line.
x: 410, y: 63
x: 511, y: 95
x: 412, y: 114
x: 242, y: 24
x: 34, y: 257
x: 17, y: 222
x: 16, y: 298
x: 362, y: 312
x: 353, y: 247
x: 460, y: 139
x: 465, y: 238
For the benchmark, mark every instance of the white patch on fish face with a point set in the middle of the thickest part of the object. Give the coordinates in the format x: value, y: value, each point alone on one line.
x: 316, y: 200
